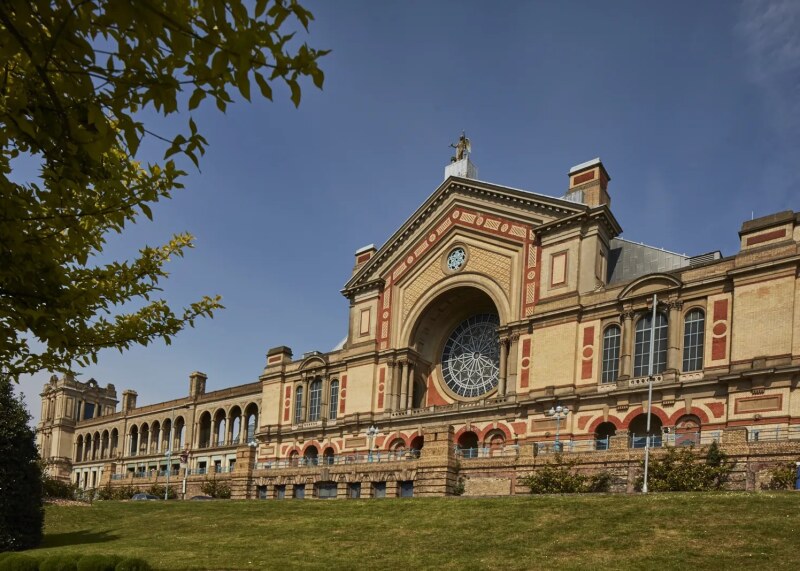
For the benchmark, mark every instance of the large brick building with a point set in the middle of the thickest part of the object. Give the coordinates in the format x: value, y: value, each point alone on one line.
x: 489, y: 309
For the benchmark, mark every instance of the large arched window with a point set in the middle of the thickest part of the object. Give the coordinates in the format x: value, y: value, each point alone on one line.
x: 334, y: 400
x: 642, y: 345
x: 611, y: 340
x: 298, y: 405
x: 693, y: 338
x: 314, y: 399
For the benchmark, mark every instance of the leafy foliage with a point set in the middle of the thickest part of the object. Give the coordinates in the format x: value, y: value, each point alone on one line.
x: 561, y: 477
x: 98, y: 562
x: 76, y: 79
x: 21, y: 509
x: 680, y: 470
x: 216, y: 488
x: 19, y: 562
x: 53, y: 488
x: 781, y: 478
x: 59, y: 563
x: 133, y: 564
x: 158, y: 490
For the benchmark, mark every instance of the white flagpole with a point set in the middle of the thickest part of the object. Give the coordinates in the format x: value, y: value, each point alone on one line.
x: 649, y: 392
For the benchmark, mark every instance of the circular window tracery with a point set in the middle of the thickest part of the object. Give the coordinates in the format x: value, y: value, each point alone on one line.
x: 471, y: 356
x: 456, y: 259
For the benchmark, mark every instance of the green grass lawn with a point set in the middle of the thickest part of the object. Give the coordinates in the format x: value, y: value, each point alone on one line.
x: 658, y: 531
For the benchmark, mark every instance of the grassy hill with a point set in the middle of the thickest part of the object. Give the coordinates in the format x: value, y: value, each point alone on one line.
x: 658, y: 531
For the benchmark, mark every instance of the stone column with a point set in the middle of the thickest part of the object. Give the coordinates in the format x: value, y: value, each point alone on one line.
x: 410, y: 386
x: 228, y: 428
x: 323, y: 400
x: 675, y: 330
x: 398, y: 380
x: 304, y: 410
x: 389, y: 400
x: 403, y: 384
x: 626, y: 350
x: 501, y: 383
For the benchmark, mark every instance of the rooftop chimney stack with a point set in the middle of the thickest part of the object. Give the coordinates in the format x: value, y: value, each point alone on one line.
x: 588, y: 184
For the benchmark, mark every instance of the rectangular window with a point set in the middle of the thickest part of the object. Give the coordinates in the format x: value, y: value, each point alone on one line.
x: 407, y: 489
x: 262, y: 492
x: 354, y: 490
x: 231, y: 464
x: 280, y: 491
x: 88, y: 410
x: 378, y: 489
x: 217, y: 466
x: 299, y: 491
x: 201, y: 467
x: 326, y: 490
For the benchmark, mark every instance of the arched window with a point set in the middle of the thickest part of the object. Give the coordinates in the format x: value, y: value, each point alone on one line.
x: 314, y: 399
x: 134, y: 441
x: 693, y: 337
x: 298, y: 405
x: 642, y: 345
x: 334, y: 400
x: 611, y: 339
x: 251, y: 416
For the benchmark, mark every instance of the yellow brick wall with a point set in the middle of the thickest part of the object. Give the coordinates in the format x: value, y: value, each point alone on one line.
x: 762, y: 318
x: 554, y: 355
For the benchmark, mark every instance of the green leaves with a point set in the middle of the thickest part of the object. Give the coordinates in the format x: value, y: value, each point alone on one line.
x: 75, y: 77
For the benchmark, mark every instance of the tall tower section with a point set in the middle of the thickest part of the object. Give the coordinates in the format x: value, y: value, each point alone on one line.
x: 65, y: 403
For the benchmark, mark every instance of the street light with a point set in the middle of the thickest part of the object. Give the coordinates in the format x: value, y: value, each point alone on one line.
x: 372, y: 431
x: 169, y: 447
x: 558, y: 412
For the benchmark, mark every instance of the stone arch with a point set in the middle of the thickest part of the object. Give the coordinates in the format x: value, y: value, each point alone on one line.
x: 656, y: 411
x: 592, y: 428
x: 144, y: 438
x: 104, y: 442
x: 234, y: 431
x: 637, y: 428
x: 468, y: 439
x: 204, y: 430
x: 155, y: 437
x: 494, y: 440
x: 447, y: 287
x: 114, y: 442
x: 250, y: 422
x: 397, y: 444
x: 695, y: 411
x: 79, y: 448
x: 220, y: 425
x: 603, y: 433
x: 133, y: 436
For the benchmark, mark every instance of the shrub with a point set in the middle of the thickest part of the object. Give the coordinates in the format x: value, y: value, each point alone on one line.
x: 158, y: 490
x: 21, y: 507
x: 781, y: 478
x: 682, y: 471
x: 19, y: 562
x: 216, y: 489
x: 57, y: 489
x: 59, y: 563
x: 133, y: 564
x: 98, y: 562
x: 459, y: 487
x: 561, y: 477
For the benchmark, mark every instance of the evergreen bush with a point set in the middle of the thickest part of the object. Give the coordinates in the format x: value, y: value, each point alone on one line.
x: 680, y: 470
x: 216, y: 489
x: 561, y: 477
x: 133, y: 564
x: 781, y: 478
x: 98, y: 562
x: 53, y: 488
x: 21, y: 507
x: 19, y: 562
x: 59, y: 563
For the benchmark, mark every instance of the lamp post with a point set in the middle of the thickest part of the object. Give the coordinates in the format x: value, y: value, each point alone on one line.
x: 558, y: 412
x: 372, y: 431
x: 169, y: 447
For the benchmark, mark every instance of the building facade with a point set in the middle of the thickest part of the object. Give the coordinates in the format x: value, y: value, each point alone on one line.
x: 494, y: 327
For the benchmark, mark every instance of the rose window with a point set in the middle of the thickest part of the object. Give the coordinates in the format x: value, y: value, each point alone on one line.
x: 456, y: 259
x: 471, y: 356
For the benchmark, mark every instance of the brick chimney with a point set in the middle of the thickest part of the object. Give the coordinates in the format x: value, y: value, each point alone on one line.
x: 588, y: 184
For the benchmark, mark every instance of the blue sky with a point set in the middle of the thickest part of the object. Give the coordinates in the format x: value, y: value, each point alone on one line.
x: 694, y: 108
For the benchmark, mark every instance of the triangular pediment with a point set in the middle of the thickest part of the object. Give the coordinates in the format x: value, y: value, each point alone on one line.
x: 501, y: 212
